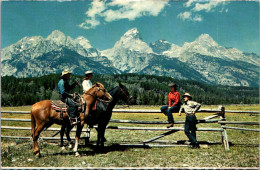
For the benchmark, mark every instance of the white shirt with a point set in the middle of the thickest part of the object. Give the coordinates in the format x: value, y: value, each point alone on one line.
x: 86, y: 84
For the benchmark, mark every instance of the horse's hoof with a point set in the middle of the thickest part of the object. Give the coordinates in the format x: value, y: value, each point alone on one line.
x: 63, y: 148
x: 77, y: 154
x: 38, y: 155
x: 70, y: 146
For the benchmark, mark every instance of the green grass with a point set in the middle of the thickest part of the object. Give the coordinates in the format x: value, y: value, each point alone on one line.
x: 244, y: 151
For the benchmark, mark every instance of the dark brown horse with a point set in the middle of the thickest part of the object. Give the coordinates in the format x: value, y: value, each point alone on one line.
x: 101, y: 116
x: 43, y: 116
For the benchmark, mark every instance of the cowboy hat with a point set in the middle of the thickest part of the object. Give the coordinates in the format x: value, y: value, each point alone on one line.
x: 89, y: 72
x: 172, y: 85
x: 64, y: 72
x: 188, y: 95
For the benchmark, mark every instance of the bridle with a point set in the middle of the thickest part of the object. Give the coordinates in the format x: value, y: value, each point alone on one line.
x: 98, y: 98
x: 127, y: 95
x: 128, y: 99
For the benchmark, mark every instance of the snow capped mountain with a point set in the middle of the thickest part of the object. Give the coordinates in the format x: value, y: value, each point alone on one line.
x: 130, y: 53
x: 36, y: 56
x: 57, y: 37
x: 205, y: 45
x: 131, y: 40
x: 202, y: 60
x: 83, y: 42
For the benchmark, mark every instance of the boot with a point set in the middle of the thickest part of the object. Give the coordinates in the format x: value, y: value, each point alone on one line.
x: 194, y: 145
x: 170, y: 125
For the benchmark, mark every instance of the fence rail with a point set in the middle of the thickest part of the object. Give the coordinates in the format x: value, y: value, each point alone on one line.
x: 126, y: 121
x: 149, y: 111
x: 209, y: 119
x: 121, y: 128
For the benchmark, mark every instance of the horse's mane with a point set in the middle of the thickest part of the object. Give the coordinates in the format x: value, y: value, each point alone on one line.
x: 95, y: 84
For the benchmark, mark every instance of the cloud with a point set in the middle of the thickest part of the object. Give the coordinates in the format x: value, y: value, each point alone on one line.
x: 188, y: 4
x: 121, y: 9
x: 198, y: 6
x: 189, y: 16
x: 207, y: 7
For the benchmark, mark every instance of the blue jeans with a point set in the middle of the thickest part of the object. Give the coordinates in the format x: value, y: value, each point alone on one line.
x: 73, y: 108
x: 168, y: 112
x: 190, y: 128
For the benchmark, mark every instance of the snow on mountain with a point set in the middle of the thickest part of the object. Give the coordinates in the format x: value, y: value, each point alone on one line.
x: 58, y: 37
x: 201, y: 60
x: 130, y: 53
x: 131, y: 40
x: 83, y: 42
x: 205, y: 45
x: 25, y: 58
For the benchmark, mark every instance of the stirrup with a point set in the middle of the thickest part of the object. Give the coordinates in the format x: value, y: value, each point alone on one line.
x: 74, y: 121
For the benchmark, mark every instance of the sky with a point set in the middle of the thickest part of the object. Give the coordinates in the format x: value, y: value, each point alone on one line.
x: 229, y: 23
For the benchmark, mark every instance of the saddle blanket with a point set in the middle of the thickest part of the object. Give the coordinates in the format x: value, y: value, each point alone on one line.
x: 58, y: 107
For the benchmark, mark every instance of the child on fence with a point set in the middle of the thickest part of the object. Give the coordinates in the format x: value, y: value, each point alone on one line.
x: 190, y: 108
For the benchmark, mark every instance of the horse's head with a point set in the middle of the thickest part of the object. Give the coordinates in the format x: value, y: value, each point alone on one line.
x: 125, y: 96
x: 98, y: 91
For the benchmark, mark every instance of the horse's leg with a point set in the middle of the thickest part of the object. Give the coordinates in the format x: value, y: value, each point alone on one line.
x: 98, y: 137
x: 78, y: 133
x: 68, y: 129
x: 36, y: 149
x: 61, y: 135
x: 101, y: 136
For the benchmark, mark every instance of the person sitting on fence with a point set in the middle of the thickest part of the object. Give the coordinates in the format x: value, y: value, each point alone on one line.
x: 190, y: 108
x: 173, y: 104
x: 64, y: 88
x: 87, y: 84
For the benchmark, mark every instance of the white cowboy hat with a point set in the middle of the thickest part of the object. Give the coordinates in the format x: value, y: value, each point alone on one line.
x: 64, y: 72
x: 188, y: 95
x: 89, y: 72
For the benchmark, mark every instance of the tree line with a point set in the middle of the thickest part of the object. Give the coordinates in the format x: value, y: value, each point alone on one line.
x: 145, y: 89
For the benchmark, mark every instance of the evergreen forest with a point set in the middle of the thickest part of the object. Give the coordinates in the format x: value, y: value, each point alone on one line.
x: 145, y: 89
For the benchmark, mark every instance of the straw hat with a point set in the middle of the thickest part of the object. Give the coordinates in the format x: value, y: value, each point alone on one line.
x: 89, y: 72
x: 64, y: 72
x: 188, y: 95
x: 172, y: 85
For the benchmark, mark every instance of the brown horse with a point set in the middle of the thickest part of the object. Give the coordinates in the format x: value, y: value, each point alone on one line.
x: 43, y: 116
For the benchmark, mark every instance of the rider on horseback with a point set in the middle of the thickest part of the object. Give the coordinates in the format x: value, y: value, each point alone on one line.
x: 64, y: 89
x: 87, y: 84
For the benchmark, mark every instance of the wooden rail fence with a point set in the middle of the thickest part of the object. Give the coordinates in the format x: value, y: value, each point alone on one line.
x: 209, y: 119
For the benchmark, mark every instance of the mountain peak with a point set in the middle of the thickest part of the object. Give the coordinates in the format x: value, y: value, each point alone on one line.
x: 56, y: 34
x: 132, y: 33
x: 206, y: 39
x: 58, y: 37
x: 83, y: 42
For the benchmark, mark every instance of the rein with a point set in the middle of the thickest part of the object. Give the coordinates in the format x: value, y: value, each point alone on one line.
x: 95, y: 97
x: 128, y: 98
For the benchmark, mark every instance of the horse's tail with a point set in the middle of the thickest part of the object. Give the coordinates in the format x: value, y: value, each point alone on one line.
x: 33, y: 123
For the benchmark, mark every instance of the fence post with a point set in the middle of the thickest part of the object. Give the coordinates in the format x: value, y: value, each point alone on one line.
x: 224, y: 137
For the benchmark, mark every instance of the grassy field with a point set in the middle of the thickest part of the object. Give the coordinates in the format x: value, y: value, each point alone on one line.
x: 244, y: 149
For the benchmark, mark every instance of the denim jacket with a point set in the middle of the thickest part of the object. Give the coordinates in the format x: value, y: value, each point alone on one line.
x: 64, y: 89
